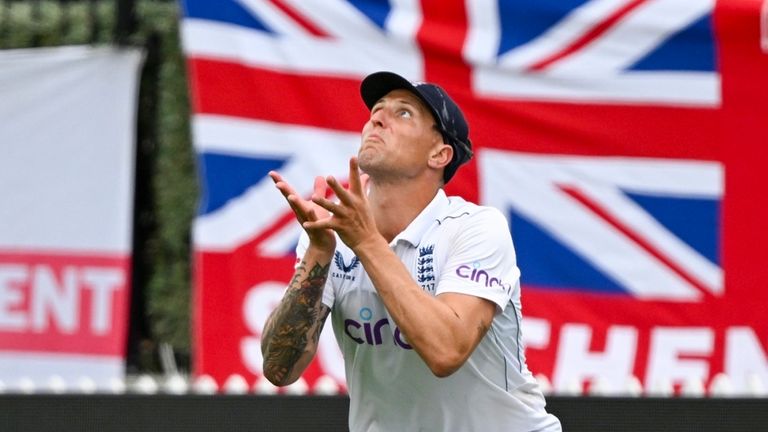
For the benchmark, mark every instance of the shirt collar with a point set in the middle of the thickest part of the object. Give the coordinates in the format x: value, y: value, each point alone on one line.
x: 418, y: 227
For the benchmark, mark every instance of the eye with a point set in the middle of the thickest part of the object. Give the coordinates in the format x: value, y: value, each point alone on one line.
x: 405, y: 114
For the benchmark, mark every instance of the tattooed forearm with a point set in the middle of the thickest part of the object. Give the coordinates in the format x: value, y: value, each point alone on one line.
x: 293, y: 329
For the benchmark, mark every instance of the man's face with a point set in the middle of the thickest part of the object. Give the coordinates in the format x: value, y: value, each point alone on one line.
x: 398, y: 137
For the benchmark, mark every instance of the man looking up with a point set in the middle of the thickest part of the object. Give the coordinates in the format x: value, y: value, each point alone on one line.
x: 424, y: 288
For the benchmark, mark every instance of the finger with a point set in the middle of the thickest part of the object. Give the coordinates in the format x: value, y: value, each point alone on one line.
x: 343, y: 194
x: 299, y: 207
x: 281, y: 184
x: 320, y: 187
x: 364, y: 180
x: 311, y: 215
x: 327, y: 223
x: 298, y: 210
x: 284, y: 189
x: 275, y: 176
x: 327, y: 204
x: 354, y: 177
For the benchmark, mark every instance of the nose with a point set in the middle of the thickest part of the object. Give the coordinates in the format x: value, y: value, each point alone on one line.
x: 378, y: 118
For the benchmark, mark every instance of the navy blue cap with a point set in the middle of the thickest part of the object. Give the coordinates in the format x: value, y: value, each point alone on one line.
x: 450, y: 120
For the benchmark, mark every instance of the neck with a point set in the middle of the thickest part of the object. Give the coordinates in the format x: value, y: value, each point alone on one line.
x: 395, y: 206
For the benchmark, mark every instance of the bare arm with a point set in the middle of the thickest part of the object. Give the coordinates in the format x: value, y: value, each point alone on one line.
x: 443, y: 330
x: 290, y: 336
x: 292, y: 331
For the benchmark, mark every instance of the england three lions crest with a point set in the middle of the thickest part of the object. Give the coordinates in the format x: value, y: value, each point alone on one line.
x: 425, y: 272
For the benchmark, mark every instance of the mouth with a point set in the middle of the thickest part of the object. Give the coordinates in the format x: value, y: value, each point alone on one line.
x: 373, y: 137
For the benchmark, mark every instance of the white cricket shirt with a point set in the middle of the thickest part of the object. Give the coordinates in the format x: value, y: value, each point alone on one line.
x: 452, y: 246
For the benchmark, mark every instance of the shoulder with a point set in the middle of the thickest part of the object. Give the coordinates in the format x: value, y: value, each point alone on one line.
x: 462, y: 212
x: 468, y: 226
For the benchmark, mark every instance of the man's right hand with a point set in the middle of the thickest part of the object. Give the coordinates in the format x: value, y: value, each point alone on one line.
x: 306, y: 210
x: 291, y: 333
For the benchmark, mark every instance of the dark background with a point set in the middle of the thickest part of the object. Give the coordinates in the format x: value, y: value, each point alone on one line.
x: 222, y: 413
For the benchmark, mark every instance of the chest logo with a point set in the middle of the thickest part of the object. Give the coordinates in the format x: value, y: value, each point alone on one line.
x: 425, y: 273
x: 345, y: 268
x: 338, y: 259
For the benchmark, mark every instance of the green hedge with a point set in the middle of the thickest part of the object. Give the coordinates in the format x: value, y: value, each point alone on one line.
x: 166, y: 183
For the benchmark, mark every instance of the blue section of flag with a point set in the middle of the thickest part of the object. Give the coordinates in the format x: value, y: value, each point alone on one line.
x: 521, y: 22
x: 226, y: 11
x: 696, y: 221
x: 226, y: 177
x: 692, y: 49
x: 545, y: 262
x: 376, y: 10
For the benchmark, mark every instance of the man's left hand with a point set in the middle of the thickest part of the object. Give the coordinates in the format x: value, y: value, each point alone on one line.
x: 351, y: 217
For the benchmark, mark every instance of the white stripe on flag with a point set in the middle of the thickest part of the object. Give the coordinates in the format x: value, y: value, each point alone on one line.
x: 657, y: 88
x: 311, y: 152
x: 575, y: 25
x: 538, y: 196
x: 301, y: 55
x: 633, y: 37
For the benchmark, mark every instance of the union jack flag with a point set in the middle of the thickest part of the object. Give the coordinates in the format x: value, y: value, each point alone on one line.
x: 598, y: 126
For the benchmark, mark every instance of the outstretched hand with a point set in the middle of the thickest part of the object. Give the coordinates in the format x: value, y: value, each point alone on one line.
x: 307, y: 211
x: 351, y: 218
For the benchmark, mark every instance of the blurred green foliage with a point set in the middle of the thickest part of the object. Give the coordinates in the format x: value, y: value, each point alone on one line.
x: 166, y: 183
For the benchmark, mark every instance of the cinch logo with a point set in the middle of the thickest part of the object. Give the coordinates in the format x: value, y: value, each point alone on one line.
x: 475, y: 274
x: 338, y: 259
x: 371, y: 333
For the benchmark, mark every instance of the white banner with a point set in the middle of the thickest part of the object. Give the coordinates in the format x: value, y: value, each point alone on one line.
x: 67, y: 136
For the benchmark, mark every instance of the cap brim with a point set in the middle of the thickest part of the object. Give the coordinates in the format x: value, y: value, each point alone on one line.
x: 376, y: 85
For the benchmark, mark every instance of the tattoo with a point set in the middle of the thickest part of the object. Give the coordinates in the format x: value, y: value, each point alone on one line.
x: 296, y: 323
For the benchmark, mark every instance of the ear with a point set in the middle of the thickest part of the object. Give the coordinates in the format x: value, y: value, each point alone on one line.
x: 440, y: 156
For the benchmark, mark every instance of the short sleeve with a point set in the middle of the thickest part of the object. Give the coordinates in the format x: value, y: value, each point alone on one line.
x: 329, y: 294
x: 481, y: 259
